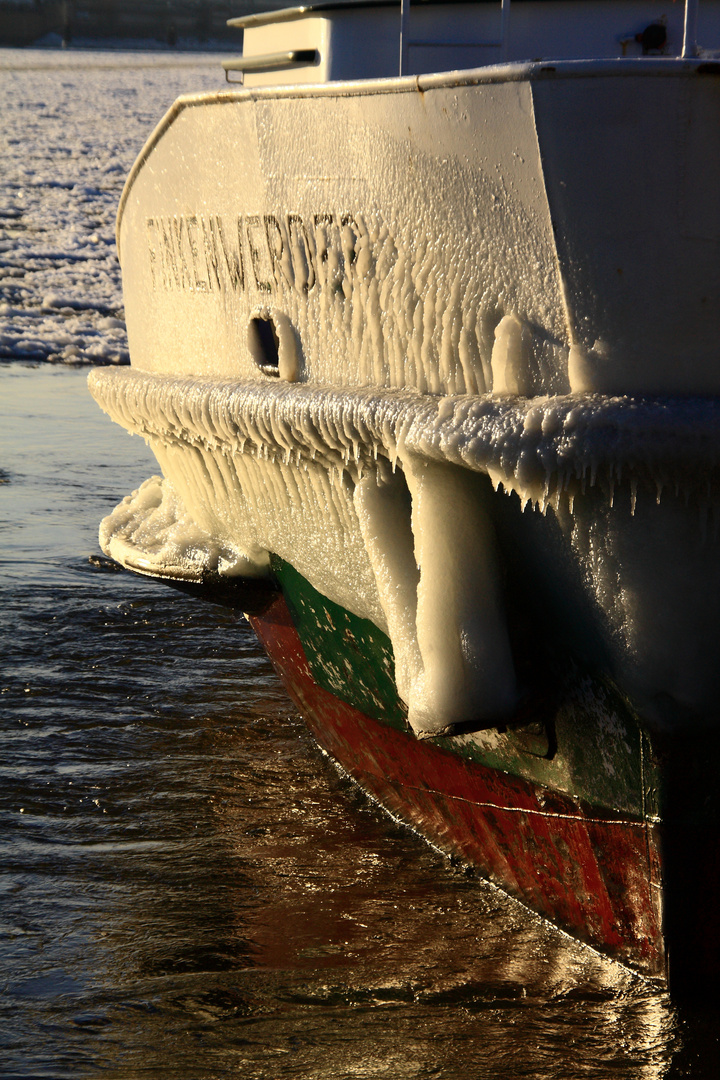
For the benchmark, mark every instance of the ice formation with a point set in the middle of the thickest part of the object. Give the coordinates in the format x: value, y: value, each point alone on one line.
x: 379, y: 499
x: 387, y: 278
x: 432, y: 550
x: 152, y: 533
x: 467, y: 668
x: 511, y: 357
x: 421, y: 259
x: 546, y: 449
x: 382, y: 504
x: 444, y: 234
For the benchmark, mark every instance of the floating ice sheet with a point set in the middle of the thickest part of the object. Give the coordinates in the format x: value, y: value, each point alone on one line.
x: 72, y: 125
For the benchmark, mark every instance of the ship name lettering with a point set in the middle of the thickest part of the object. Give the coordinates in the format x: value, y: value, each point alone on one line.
x: 253, y: 253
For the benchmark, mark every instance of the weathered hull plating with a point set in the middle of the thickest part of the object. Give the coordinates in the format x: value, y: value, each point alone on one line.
x: 639, y: 888
x: 593, y: 873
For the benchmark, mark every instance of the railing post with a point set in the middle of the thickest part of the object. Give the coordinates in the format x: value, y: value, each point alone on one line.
x: 504, y: 20
x: 404, y: 27
x: 690, y: 30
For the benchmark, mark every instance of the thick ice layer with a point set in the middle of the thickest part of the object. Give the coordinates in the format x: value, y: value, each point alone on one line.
x: 379, y: 499
x: 544, y: 449
x: 151, y: 532
x: 467, y: 667
x: 382, y: 503
x: 433, y: 552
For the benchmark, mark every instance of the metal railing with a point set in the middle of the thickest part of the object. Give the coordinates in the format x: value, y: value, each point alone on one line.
x: 291, y: 58
x: 304, y: 57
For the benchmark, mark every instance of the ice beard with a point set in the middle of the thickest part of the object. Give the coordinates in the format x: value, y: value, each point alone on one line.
x: 383, y: 500
x: 152, y: 533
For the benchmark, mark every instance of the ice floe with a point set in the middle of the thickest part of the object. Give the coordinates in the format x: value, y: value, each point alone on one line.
x: 73, y: 123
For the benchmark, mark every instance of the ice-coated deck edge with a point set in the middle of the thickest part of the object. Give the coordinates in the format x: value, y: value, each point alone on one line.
x: 534, y: 445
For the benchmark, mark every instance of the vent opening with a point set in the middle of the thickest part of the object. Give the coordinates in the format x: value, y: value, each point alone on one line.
x: 273, y: 344
x: 264, y: 344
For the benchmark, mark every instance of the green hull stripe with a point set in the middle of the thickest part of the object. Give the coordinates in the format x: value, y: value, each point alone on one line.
x: 599, y: 752
x: 347, y: 655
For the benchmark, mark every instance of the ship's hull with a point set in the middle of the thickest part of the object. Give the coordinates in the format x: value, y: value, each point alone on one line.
x: 593, y: 872
x: 641, y: 887
x: 395, y: 223
x: 415, y: 391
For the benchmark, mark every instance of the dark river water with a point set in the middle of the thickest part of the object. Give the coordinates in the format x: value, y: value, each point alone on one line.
x: 188, y: 889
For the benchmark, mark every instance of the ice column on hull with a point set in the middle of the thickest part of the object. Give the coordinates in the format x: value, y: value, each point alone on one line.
x: 510, y: 361
x: 436, y: 569
x: 382, y: 502
x: 468, y: 673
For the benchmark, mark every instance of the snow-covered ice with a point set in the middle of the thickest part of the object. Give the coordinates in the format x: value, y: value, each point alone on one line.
x: 72, y: 125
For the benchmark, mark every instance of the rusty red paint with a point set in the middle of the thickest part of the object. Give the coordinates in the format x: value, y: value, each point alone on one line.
x: 593, y: 874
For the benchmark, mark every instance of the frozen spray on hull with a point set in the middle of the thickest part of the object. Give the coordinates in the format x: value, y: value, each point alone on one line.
x: 484, y: 487
x: 343, y: 483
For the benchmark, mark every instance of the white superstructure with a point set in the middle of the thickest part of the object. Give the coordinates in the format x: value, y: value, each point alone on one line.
x: 366, y: 39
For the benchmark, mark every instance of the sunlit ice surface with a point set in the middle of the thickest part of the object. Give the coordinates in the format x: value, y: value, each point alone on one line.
x: 189, y: 889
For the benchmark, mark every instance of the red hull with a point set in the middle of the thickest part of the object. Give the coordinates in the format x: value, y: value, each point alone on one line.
x: 595, y: 874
